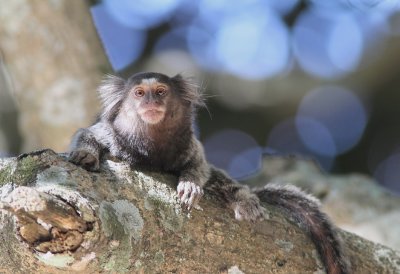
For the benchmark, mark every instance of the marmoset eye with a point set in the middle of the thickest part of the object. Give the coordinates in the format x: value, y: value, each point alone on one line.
x: 161, y: 91
x: 139, y: 92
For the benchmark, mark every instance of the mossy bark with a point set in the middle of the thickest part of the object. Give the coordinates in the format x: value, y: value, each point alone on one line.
x: 134, y: 223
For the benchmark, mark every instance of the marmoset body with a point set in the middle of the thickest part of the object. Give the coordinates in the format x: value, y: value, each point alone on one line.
x: 147, y: 121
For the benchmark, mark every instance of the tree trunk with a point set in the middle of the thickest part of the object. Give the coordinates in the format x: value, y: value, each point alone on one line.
x: 54, y: 61
x: 59, y: 218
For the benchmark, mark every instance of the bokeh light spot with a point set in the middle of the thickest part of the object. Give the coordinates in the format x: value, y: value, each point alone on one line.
x: 141, y: 14
x: 282, y: 7
x: 253, y: 45
x: 339, y: 111
x: 123, y: 44
x: 345, y: 56
x: 315, y: 136
x: 201, y: 45
x: 247, y: 39
x: 284, y: 139
x: 234, y: 151
x: 388, y: 173
x: 327, y: 45
x: 246, y: 163
x: 173, y: 39
x: 386, y: 6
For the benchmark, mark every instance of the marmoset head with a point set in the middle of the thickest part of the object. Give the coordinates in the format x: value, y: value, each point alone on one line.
x: 148, y: 96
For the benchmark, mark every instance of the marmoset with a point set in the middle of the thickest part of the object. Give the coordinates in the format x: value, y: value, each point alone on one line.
x: 147, y: 121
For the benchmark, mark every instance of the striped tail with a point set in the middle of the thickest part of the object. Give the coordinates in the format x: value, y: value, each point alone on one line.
x: 304, y: 210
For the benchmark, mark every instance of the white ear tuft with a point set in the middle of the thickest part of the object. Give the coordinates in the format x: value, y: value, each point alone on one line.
x: 112, y: 92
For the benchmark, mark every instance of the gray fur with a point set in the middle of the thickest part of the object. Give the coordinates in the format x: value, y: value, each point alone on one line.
x: 171, y: 146
x: 245, y: 204
x: 168, y: 146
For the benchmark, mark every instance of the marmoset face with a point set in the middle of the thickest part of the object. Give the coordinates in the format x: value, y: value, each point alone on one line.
x: 150, y: 99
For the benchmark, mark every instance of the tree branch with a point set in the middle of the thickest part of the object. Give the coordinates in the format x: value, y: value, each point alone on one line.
x: 56, y: 216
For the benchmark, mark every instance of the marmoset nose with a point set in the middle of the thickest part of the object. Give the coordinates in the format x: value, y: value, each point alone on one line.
x: 149, y: 104
x: 149, y: 99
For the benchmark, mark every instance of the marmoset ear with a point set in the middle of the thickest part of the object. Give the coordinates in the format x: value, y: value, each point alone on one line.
x: 188, y: 90
x: 112, y: 92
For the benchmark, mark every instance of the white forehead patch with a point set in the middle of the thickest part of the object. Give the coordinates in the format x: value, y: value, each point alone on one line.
x: 149, y: 81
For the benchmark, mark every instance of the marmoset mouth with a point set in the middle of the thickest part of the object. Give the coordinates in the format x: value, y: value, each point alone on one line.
x: 152, y: 116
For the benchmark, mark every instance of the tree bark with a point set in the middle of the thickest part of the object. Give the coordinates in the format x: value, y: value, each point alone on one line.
x: 58, y: 218
x: 354, y: 202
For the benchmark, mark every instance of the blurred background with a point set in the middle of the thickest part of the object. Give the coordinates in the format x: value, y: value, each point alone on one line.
x: 320, y: 79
